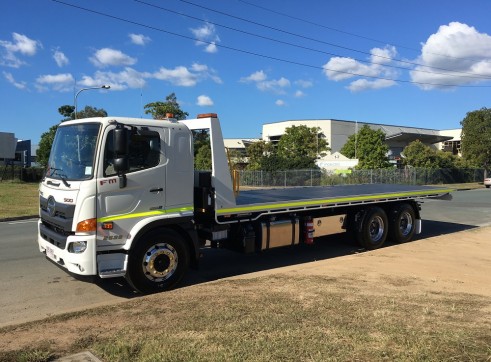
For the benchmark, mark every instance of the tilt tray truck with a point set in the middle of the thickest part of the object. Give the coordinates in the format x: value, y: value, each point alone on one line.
x: 120, y: 197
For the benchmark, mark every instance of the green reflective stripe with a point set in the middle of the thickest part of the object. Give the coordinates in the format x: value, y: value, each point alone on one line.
x: 145, y: 214
x: 328, y: 201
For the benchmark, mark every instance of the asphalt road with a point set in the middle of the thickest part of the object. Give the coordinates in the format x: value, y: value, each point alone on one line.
x: 34, y: 288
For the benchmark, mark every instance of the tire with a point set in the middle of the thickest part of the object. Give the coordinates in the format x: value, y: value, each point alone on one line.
x: 374, y: 228
x: 352, y: 227
x: 402, y: 223
x: 488, y: 186
x: 158, y: 262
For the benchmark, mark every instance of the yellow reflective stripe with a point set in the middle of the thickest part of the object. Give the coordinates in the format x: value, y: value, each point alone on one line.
x: 145, y: 214
x: 328, y: 201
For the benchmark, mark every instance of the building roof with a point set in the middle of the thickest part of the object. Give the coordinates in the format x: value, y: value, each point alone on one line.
x: 408, y: 137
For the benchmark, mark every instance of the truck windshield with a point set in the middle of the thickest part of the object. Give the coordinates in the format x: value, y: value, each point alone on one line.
x: 72, y: 153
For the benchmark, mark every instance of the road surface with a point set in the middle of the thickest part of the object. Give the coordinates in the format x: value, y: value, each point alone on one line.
x: 34, y: 288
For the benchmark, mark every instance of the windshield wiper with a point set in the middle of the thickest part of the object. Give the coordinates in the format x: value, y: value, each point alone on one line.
x: 62, y: 177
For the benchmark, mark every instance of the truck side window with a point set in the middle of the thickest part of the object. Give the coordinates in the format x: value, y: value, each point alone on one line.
x: 144, y: 152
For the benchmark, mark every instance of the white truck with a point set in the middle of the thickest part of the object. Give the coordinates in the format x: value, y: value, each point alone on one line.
x: 121, y: 198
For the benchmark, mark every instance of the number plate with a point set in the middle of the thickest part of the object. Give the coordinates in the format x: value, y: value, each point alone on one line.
x: 50, y: 253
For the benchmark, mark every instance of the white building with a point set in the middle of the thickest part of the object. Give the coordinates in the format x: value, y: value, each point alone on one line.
x: 336, y: 132
x: 452, y: 145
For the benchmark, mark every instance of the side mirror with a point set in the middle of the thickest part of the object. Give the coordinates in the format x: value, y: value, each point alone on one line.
x: 121, y: 141
x: 121, y: 164
x: 120, y: 161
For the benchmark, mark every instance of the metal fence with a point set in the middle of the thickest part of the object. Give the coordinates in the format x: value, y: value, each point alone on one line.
x: 413, y: 176
x: 18, y: 173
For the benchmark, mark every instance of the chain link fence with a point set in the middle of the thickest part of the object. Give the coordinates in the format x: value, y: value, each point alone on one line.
x: 18, y: 173
x: 412, y: 176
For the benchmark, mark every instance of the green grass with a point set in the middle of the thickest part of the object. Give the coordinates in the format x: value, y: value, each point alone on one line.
x: 274, y: 318
x: 18, y: 199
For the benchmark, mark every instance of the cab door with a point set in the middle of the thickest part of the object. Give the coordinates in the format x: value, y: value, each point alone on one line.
x: 144, y: 193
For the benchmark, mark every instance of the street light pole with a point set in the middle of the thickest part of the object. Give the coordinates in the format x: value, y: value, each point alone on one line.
x: 84, y: 89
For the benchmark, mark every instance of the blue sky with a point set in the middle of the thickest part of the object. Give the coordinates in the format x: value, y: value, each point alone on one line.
x: 406, y: 62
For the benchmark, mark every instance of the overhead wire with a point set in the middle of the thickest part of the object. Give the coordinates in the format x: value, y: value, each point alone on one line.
x: 313, y: 39
x: 458, y: 74
x: 344, y: 31
x: 254, y: 53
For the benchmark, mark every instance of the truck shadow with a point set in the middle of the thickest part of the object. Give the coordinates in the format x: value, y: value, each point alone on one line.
x: 217, y: 264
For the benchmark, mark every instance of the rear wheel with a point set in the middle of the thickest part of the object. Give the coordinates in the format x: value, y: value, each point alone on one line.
x: 158, y: 262
x: 373, y: 231
x: 402, y: 223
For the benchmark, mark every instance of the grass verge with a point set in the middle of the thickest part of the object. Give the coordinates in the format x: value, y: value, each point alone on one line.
x: 303, y: 318
x: 18, y: 199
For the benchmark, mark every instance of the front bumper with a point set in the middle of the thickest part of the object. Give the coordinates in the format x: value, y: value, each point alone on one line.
x: 78, y: 263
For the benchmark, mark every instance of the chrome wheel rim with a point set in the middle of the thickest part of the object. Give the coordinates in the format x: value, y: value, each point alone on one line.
x: 376, y: 229
x: 160, y: 262
x: 406, y: 223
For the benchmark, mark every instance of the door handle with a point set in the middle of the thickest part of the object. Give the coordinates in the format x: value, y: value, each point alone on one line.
x: 157, y: 190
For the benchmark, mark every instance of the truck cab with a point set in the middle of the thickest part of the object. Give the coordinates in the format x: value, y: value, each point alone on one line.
x: 108, y: 182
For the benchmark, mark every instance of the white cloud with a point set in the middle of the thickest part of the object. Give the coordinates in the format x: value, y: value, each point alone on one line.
x: 304, y: 83
x: 199, y: 67
x: 299, y: 94
x: 62, y: 82
x: 21, y: 44
x: 364, y: 84
x: 204, y: 101
x: 139, y: 39
x: 383, y: 55
x: 280, y: 103
x: 182, y: 76
x: 60, y: 58
x: 260, y: 79
x: 456, y: 47
x: 206, y: 36
x: 131, y: 78
x: 127, y: 78
x: 258, y: 76
x: 211, y: 48
x: 106, y: 57
x: 339, y: 69
x: 11, y: 80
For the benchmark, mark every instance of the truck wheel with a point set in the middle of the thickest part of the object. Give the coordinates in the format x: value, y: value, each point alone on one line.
x: 352, y: 220
x: 401, y: 228
x: 158, y: 262
x: 373, y: 231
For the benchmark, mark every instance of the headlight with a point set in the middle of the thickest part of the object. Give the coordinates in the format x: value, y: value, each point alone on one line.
x: 77, y: 247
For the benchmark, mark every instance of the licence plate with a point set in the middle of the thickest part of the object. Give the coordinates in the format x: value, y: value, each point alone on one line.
x: 50, y: 253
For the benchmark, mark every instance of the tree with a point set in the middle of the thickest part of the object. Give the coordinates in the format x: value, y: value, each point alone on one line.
x: 476, y: 138
x: 299, y: 147
x: 256, y: 152
x: 417, y: 154
x: 202, y: 149
x: 202, y: 158
x: 47, y: 138
x: 44, y: 149
x: 159, y: 110
x: 368, y: 145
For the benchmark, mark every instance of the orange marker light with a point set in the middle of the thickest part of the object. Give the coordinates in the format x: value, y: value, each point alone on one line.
x: 86, y: 226
x: 207, y: 115
x: 107, y: 225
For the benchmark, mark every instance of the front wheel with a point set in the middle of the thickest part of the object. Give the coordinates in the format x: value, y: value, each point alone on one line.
x: 158, y: 262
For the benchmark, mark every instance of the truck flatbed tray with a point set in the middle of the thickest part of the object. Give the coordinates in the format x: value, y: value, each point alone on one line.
x: 262, y: 200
